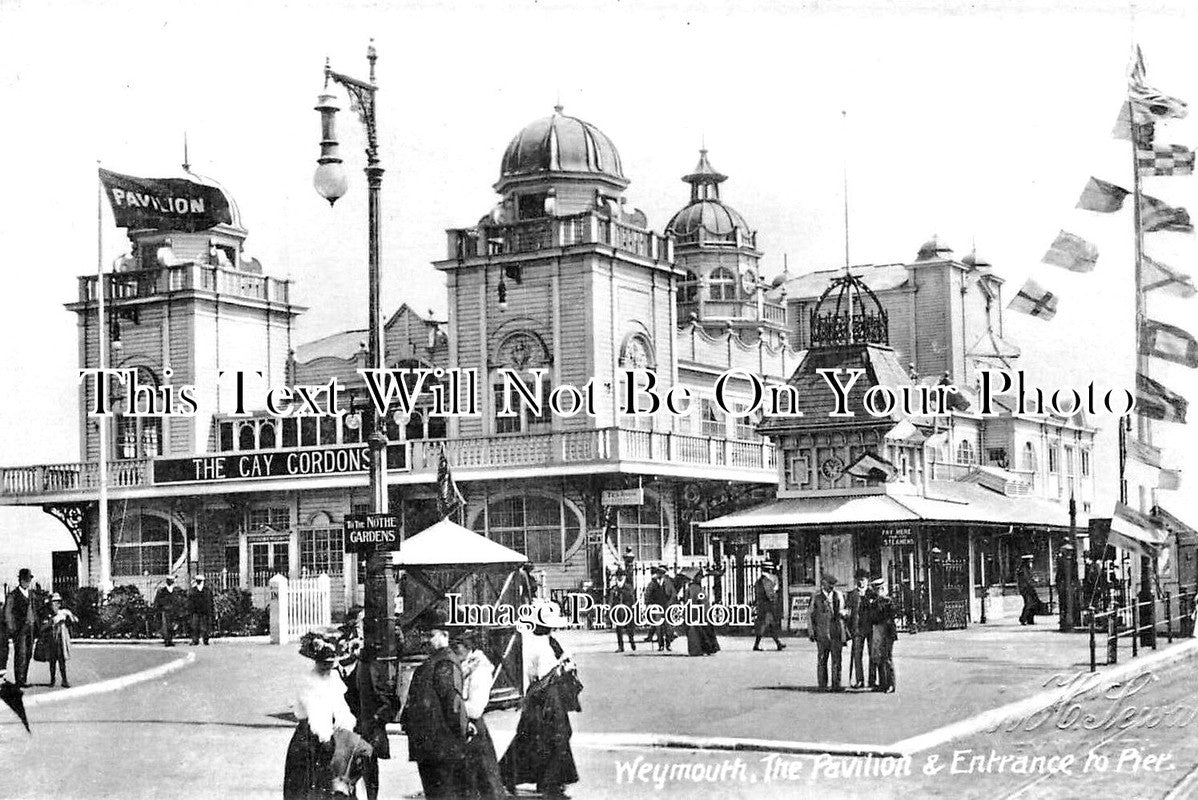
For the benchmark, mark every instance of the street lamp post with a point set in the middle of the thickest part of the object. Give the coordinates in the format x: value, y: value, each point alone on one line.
x: 331, y: 183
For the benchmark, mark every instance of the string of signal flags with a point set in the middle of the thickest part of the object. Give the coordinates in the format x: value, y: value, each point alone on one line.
x: 1139, y: 116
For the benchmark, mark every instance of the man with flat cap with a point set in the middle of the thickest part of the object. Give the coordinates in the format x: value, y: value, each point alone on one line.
x: 170, y: 602
x: 829, y: 633
x: 20, y: 623
x: 1025, y: 577
x: 201, y: 610
x: 767, y: 597
x: 434, y: 717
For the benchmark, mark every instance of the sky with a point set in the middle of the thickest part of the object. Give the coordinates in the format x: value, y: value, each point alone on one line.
x: 980, y: 123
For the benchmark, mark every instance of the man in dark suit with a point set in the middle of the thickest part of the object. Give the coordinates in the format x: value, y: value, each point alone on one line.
x: 170, y: 602
x: 884, y: 634
x: 1025, y: 578
x: 622, y: 594
x: 20, y: 623
x: 434, y: 719
x: 656, y: 594
x: 201, y: 610
x: 858, y: 602
x: 767, y: 597
x: 829, y: 633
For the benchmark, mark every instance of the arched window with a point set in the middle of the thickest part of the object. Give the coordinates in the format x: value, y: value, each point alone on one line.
x: 1029, y: 461
x: 721, y: 285
x: 246, y: 440
x: 266, y: 436
x: 436, y: 428
x: 643, y: 529
x: 688, y: 288
x: 540, y: 527
x: 965, y: 453
x: 145, y: 544
x: 415, y: 427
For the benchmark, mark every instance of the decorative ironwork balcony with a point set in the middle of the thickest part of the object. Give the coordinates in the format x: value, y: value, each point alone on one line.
x: 534, y: 235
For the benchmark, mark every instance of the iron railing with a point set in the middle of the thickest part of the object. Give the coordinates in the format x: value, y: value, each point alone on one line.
x: 1141, y: 622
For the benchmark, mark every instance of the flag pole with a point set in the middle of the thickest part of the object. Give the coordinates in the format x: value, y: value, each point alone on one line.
x: 105, y: 583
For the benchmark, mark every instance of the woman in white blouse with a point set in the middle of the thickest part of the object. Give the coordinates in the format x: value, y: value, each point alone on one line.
x: 319, y: 705
x: 478, y: 676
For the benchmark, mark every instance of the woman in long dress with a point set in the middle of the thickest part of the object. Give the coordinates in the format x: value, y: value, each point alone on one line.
x: 700, y: 638
x: 320, y: 707
x: 482, y: 780
x: 540, y: 752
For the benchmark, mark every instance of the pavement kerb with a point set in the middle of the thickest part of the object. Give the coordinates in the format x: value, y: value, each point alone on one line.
x: 1038, y: 702
x: 112, y: 684
x: 905, y: 747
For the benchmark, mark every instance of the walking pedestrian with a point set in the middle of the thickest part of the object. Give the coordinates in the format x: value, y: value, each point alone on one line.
x: 481, y: 780
x: 434, y: 717
x: 859, y: 602
x: 767, y: 594
x: 622, y: 594
x: 170, y: 604
x: 21, y: 614
x: 1025, y: 578
x: 660, y: 592
x: 540, y: 752
x: 829, y: 633
x: 324, y: 722
x: 201, y: 609
x: 700, y: 634
x: 56, y: 638
x: 884, y: 633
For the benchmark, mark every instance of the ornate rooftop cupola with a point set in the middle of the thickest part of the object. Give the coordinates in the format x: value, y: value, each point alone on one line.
x: 848, y: 312
x: 705, y: 180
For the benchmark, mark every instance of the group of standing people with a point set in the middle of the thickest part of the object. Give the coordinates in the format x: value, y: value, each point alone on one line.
x: 196, y: 607
x: 39, y: 631
x: 442, y: 715
x: 864, y: 619
x: 685, y: 587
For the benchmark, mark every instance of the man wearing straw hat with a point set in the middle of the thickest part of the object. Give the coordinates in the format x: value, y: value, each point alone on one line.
x: 829, y: 633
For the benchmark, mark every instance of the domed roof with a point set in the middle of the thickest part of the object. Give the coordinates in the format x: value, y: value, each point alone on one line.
x: 933, y: 249
x: 713, y: 216
x: 559, y: 143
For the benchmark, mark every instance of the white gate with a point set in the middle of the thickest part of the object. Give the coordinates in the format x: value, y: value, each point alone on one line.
x: 298, y: 606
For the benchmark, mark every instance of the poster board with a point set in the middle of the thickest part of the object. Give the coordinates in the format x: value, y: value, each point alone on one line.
x: 799, y: 618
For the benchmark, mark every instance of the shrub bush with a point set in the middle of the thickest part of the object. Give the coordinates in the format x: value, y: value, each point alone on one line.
x: 124, y: 614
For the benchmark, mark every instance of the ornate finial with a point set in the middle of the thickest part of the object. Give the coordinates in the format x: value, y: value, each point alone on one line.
x: 558, y: 107
x: 327, y: 70
x: 371, y: 56
x: 186, y: 160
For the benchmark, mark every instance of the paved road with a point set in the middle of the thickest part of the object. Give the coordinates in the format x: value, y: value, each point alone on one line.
x: 219, y: 728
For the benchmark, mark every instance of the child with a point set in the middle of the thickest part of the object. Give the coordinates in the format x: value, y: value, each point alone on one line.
x: 58, y: 638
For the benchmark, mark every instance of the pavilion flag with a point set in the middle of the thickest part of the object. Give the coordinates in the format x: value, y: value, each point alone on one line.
x: 1156, y: 215
x: 1071, y: 252
x: 449, y: 500
x: 1136, y: 72
x: 1154, y: 401
x: 1161, y: 340
x: 1155, y: 275
x: 1035, y: 300
x: 1164, y: 160
x: 171, y: 203
x: 1135, y: 531
x: 1102, y: 196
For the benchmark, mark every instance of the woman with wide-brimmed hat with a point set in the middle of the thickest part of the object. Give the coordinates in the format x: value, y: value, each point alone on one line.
x: 700, y: 637
x: 540, y: 752
x: 320, y: 707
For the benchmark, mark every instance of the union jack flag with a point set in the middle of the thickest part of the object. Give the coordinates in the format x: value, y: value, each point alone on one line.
x: 1165, y: 159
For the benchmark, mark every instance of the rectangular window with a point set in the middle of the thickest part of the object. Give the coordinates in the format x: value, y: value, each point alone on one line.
x: 308, y: 432
x: 529, y: 420
x: 532, y: 206
x: 802, y: 556
x: 711, y: 418
x: 530, y: 525
x: 1069, y: 461
x: 642, y: 529
x: 225, y: 437
x: 1054, y: 457
x: 797, y: 470
x: 290, y: 432
x: 321, y: 550
x: 1085, y: 463
x: 277, y: 518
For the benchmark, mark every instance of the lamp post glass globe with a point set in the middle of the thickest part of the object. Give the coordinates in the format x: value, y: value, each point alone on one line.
x: 330, y: 181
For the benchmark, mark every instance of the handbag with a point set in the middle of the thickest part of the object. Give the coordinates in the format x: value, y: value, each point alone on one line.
x: 41, y: 646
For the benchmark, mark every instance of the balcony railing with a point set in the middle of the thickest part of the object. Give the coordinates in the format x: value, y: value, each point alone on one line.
x: 773, y: 313
x: 552, y: 232
x: 147, y: 283
x: 543, y: 450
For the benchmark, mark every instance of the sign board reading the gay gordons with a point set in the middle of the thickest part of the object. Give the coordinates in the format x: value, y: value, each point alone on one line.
x: 296, y: 463
x: 365, y: 532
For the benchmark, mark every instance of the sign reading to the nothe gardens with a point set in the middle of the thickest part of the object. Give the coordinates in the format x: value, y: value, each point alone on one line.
x: 371, y: 532
x: 283, y: 464
x: 624, y: 497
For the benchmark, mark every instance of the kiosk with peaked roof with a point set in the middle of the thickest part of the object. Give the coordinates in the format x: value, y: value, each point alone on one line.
x: 448, y: 559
